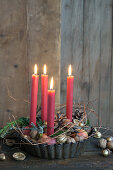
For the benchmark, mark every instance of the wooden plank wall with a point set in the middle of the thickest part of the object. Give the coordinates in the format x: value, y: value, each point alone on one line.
x: 29, y: 34
x: 86, y: 43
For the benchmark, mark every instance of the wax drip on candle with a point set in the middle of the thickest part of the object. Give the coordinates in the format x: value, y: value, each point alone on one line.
x: 45, y: 69
x: 35, y: 69
x: 69, y: 70
x: 51, y: 84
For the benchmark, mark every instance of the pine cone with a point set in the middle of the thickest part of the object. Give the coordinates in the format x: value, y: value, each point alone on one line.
x: 78, y: 114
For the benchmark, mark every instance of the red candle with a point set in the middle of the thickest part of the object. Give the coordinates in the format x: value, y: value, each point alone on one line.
x: 44, y: 95
x: 69, y: 102
x: 51, y: 109
x: 34, y: 93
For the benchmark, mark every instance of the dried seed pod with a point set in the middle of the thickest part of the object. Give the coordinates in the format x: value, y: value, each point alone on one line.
x: 98, y: 135
x: 2, y: 156
x: 110, y: 145
x: 106, y: 152
x: 70, y: 140
x: 19, y: 156
x: 103, y: 143
x: 109, y: 139
x: 78, y: 114
x: 10, y: 142
x: 33, y: 134
x: 62, y: 138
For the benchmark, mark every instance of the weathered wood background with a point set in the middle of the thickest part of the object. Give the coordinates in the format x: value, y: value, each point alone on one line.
x: 30, y: 33
x: 86, y: 41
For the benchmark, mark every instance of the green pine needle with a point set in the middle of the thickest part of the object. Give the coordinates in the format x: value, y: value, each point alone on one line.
x: 56, y: 134
x: 22, y: 122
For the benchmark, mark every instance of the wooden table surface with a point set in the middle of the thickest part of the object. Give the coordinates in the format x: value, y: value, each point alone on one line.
x: 89, y: 162
x: 97, y: 162
x: 83, y: 162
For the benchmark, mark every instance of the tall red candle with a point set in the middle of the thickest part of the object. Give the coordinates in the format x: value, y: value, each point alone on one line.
x: 44, y: 95
x: 34, y: 93
x: 51, y: 109
x: 69, y: 101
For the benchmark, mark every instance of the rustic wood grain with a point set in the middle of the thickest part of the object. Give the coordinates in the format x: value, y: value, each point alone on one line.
x: 13, y: 60
x: 29, y: 34
x: 43, y: 28
x: 91, y: 54
x: 71, y: 45
x: 111, y: 82
x: 86, y: 41
x: 105, y: 61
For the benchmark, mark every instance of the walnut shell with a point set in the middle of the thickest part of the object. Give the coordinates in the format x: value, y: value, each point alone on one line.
x: 103, y: 143
x: 19, y: 156
x: 70, y: 140
x: 110, y: 145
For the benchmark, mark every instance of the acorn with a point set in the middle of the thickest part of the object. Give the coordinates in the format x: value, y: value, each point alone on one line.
x: 109, y: 139
x: 106, y: 152
x: 110, y: 145
x: 103, y: 143
x: 2, y: 156
x: 98, y: 135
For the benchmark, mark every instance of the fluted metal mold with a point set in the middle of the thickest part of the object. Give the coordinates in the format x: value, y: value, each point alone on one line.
x: 43, y: 150
x: 51, y: 151
x: 56, y: 151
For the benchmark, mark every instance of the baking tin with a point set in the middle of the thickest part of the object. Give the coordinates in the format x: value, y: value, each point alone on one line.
x: 56, y: 151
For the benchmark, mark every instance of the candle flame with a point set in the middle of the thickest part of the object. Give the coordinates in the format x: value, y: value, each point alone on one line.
x: 45, y: 69
x: 51, y: 84
x: 69, y: 70
x: 35, y: 69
